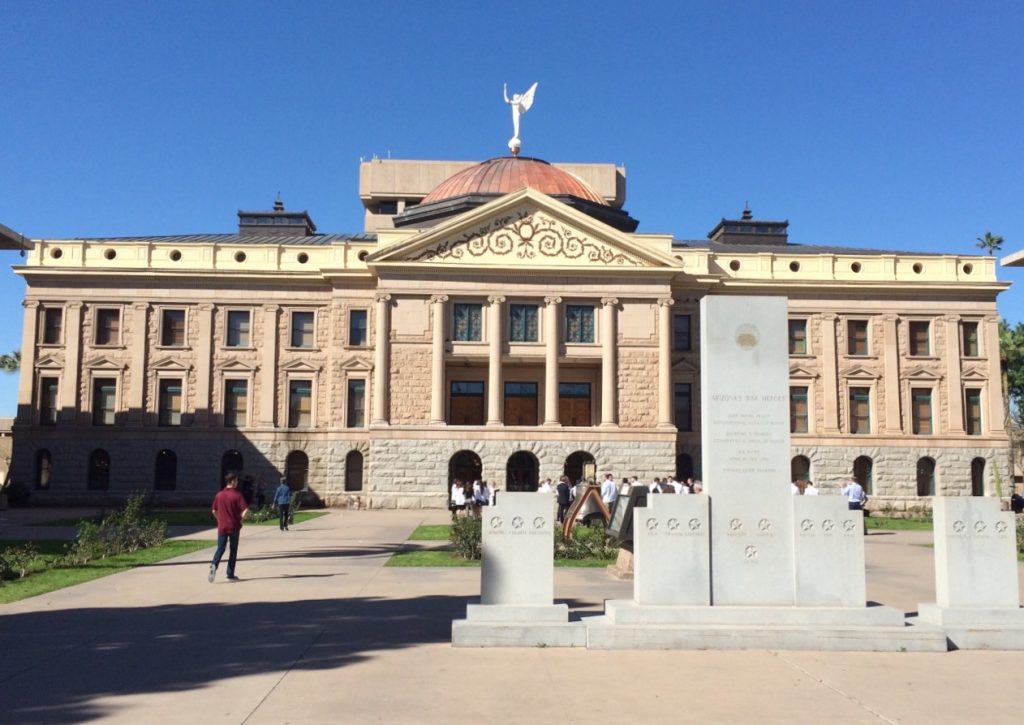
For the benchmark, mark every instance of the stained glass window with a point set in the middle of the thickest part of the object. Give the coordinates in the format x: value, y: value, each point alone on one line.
x: 523, y: 326
x: 467, y: 327
x: 579, y: 323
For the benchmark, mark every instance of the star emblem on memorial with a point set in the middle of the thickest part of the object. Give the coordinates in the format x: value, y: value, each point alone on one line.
x: 765, y: 525
x: 673, y: 524
x: 959, y: 526
x: 538, y: 523
x: 652, y: 524
x: 828, y: 524
x: 496, y: 522
x: 849, y: 525
x: 694, y: 524
x: 1000, y: 527
x: 517, y: 522
x: 979, y: 527
x: 750, y: 552
x: 736, y: 525
x: 806, y: 525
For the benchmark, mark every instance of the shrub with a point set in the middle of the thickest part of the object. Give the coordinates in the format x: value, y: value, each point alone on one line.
x: 121, y: 532
x: 465, y: 536
x: 258, y: 516
x: 15, y: 561
x: 586, y: 542
x: 1020, y: 534
x: 18, y: 493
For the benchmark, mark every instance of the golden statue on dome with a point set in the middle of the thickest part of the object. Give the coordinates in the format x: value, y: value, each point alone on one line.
x: 520, y: 105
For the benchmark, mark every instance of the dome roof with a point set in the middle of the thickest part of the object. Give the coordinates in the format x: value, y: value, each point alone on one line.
x: 510, y: 173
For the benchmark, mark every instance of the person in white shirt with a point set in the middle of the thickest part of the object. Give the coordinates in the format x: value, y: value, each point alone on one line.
x: 855, y: 499
x: 458, y: 496
x: 810, y: 490
x: 677, y: 487
x: 609, y: 491
x: 545, y: 487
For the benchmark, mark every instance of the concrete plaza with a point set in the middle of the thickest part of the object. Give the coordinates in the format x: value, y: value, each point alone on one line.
x: 318, y: 630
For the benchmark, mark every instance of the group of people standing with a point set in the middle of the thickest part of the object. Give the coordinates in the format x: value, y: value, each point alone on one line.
x: 480, y: 493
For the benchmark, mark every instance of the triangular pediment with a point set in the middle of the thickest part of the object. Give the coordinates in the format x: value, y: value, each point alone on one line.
x: 50, y: 362
x: 861, y: 373
x: 170, y: 364
x: 972, y: 374
x: 300, y: 366
x: 798, y: 371
x: 104, y: 363
x: 523, y: 229
x: 357, y: 364
x: 234, y: 365
x: 919, y: 373
x: 685, y: 367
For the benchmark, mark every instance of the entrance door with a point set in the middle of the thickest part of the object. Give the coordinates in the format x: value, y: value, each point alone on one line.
x: 465, y: 466
x: 580, y: 465
x: 521, y: 472
x: 296, y: 470
x: 230, y: 462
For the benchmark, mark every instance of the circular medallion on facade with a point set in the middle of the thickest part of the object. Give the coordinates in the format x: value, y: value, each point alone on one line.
x: 495, y: 522
x: 747, y: 336
x: 526, y: 231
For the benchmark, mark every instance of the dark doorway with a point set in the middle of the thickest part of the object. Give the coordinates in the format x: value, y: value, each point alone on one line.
x: 863, y: 473
x: 99, y: 470
x: 44, y: 465
x: 978, y: 477
x: 166, y: 476
x: 296, y: 470
x: 684, y: 467
x: 465, y: 466
x: 926, y: 476
x: 354, y: 471
x: 800, y: 468
x: 579, y: 465
x: 521, y: 472
x: 230, y: 462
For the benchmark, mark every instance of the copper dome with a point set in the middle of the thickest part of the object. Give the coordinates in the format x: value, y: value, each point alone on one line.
x: 510, y: 173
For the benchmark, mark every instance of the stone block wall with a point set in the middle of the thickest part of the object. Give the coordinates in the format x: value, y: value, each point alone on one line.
x: 410, y: 383
x: 638, y: 387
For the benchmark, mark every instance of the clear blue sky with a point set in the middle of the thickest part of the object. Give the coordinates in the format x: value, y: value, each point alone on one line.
x: 893, y: 125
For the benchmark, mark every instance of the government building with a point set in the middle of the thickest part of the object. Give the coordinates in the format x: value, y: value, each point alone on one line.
x: 502, y: 320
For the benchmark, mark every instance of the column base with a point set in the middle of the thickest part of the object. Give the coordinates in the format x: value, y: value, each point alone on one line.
x: 438, y: 424
x: 495, y: 424
x: 608, y: 425
x: 380, y: 424
x: 552, y: 424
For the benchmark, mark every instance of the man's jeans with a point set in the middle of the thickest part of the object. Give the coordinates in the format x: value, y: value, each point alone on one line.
x: 222, y: 541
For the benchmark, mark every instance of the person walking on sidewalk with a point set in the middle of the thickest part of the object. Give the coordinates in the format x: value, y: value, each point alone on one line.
x: 283, y: 501
x: 230, y: 509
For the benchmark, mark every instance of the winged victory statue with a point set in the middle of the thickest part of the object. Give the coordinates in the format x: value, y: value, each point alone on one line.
x: 520, y: 104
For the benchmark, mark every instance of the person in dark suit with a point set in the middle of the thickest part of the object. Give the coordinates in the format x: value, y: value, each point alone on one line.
x: 564, y: 493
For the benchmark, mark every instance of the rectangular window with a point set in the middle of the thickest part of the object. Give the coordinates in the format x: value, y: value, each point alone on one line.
x: 921, y: 411
x: 520, y: 403
x: 466, y: 322
x: 48, y: 401
x: 108, y: 327
x: 969, y: 335
x: 860, y: 410
x: 579, y: 323
x: 574, y: 404
x: 467, y: 402
x: 357, y: 328
x: 523, y: 323
x: 798, y: 337
x: 236, y: 403
x: 683, y: 406
x: 857, y: 337
x: 239, y: 329
x: 919, y: 343
x: 681, y: 332
x: 300, y: 403
x: 356, y: 404
x: 972, y: 411
x: 798, y: 409
x: 170, y: 402
x: 53, y: 322
x: 104, y: 400
x: 172, y: 328
x: 302, y: 329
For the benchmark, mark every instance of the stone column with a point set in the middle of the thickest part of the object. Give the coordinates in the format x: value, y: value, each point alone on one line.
x: 954, y: 387
x: 72, y: 362
x: 551, y: 335
x: 609, y: 383
x: 437, y: 390
x: 204, y: 365
x: 830, y: 375
x: 665, y: 363
x: 893, y: 419
x: 27, y: 371
x: 495, y: 413
x: 268, y: 367
x: 995, y: 376
x: 381, y: 344
x: 139, y: 346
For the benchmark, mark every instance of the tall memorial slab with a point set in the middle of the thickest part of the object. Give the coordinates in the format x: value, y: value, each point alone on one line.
x: 745, y: 448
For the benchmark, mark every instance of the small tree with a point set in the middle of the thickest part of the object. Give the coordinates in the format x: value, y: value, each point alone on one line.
x: 10, y: 363
x: 990, y: 243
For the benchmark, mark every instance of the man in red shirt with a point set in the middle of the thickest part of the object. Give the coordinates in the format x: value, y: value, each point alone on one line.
x: 230, y: 508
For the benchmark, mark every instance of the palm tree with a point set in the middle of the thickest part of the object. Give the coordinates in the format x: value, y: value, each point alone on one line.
x: 990, y: 242
x: 10, y: 363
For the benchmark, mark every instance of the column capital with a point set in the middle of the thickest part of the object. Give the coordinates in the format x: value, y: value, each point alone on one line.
x: 381, y: 297
x: 665, y: 302
x: 552, y: 301
x: 141, y: 306
x: 438, y: 299
x: 496, y: 299
x: 609, y: 301
x: 30, y: 304
x: 829, y: 317
x: 206, y: 307
x: 951, y: 318
x: 889, y: 317
x: 76, y: 305
x: 271, y: 308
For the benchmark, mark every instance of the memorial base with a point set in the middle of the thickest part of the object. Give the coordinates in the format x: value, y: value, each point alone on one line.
x: 976, y: 628
x: 522, y: 625
x: 628, y: 625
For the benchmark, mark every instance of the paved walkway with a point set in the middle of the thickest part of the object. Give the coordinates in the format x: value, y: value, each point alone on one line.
x: 318, y: 630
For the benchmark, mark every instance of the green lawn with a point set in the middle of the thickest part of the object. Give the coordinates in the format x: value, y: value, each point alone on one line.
x: 52, y: 579
x: 185, y: 517
x: 899, y: 524
x: 431, y: 532
x: 446, y: 557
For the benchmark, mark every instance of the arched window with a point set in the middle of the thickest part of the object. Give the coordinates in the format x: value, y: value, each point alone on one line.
x: 296, y: 470
x: 44, y: 466
x: 521, y: 472
x: 863, y: 473
x: 978, y: 477
x: 684, y: 467
x: 464, y: 466
x: 165, y: 477
x: 230, y: 462
x: 354, y: 471
x: 800, y: 468
x: 580, y: 465
x: 925, y: 476
x: 99, y: 470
